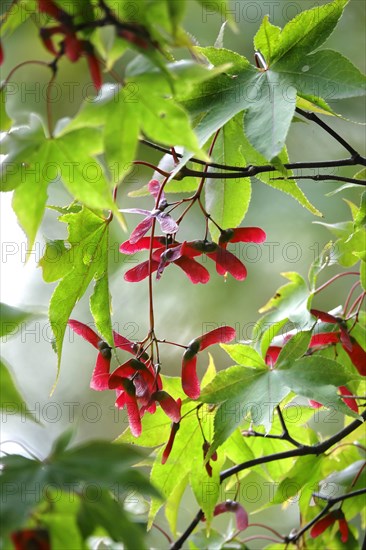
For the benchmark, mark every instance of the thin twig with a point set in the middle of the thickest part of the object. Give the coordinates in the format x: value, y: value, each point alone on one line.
x: 169, y: 539
x: 340, y: 498
x: 348, y: 299
x: 323, y: 177
x: 338, y: 276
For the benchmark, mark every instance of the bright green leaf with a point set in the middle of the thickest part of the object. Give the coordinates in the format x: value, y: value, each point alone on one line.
x: 244, y: 355
x: 267, y: 40
x: 13, y: 18
x: 81, y: 173
x: 19, y: 145
x: 188, y: 442
x: 326, y: 74
x: 314, y: 104
x: 363, y: 274
x: 30, y: 197
x: 121, y: 133
x: 237, y: 449
x: 88, y: 239
x: 93, y: 113
x: 100, y: 307
x: 5, y: 120
x: 306, y: 470
x: 173, y: 502
x: 290, y: 301
x: 302, y: 34
x: 293, y: 349
x: 264, y: 336
x: 222, y: 56
x: 316, y: 378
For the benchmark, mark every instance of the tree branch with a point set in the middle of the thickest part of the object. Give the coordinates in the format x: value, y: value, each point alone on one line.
x: 340, y: 498
x: 285, y: 436
x: 304, y: 450
x: 250, y: 171
x: 232, y: 172
x: 314, y: 118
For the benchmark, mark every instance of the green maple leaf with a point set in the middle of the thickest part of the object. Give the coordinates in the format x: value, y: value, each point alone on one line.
x: 243, y: 391
x: 268, y: 95
x: 81, y: 259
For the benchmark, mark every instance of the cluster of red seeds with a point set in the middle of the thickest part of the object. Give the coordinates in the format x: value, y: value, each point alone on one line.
x: 70, y: 44
x: 137, y: 381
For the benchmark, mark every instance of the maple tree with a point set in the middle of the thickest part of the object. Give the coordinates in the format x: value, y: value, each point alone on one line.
x: 218, y: 121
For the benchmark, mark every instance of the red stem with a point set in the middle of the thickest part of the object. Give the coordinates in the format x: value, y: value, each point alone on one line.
x: 174, y: 155
x: 163, y: 532
x: 155, y: 168
x: 358, y: 301
x: 151, y: 303
x: 358, y: 475
x: 48, y: 104
x: 346, y: 304
x: 262, y: 537
x: 266, y: 527
x: 20, y: 65
x: 332, y: 279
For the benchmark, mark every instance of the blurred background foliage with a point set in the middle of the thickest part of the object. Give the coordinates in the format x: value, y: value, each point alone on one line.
x: 293, y: 240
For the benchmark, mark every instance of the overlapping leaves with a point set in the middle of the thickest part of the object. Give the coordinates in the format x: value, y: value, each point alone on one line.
x: 78, y: 476
x: 33, y: 161
x: 268, y: 94
x: 251, y: 388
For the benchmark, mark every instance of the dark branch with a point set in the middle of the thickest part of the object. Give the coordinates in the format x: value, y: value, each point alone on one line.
x: 304, y: 450
x: 248, y: 171
x: 340, y: 498
x: 314, y: 118
x: 188, y: 531
x: 285, y: 436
